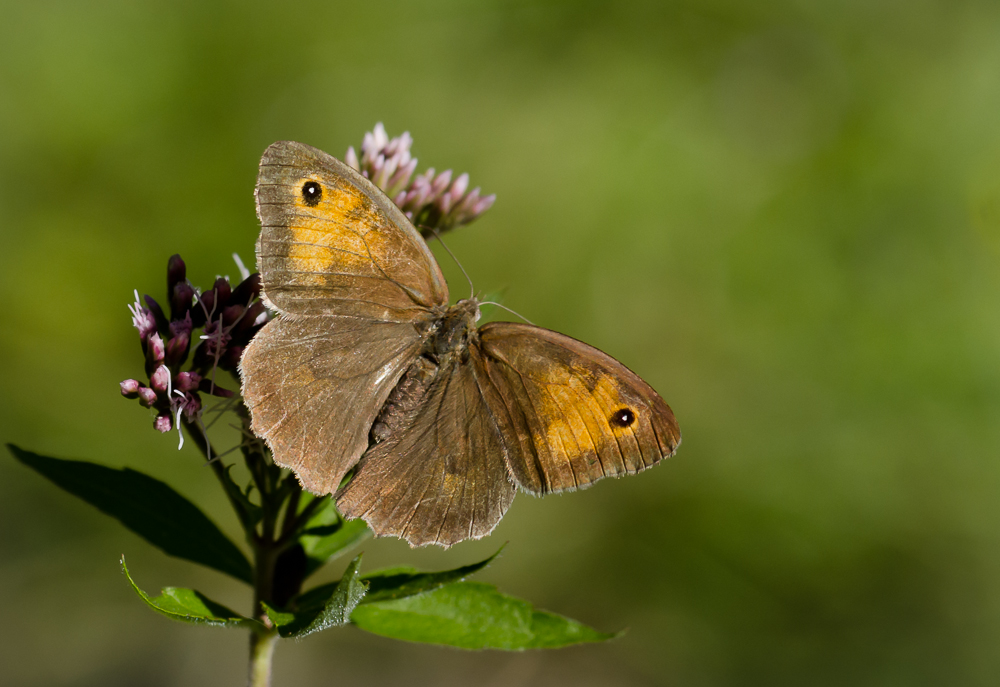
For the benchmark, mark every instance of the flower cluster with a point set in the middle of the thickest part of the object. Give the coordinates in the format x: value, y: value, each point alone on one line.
x: 227, y: 317
x: 434, y: 202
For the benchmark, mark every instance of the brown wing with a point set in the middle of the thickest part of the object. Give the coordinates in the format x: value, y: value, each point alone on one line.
x: 569, y: 413
x: 332, y: 243
x: 439, y: 475
x: 354, y: 281
x: 314, y: 385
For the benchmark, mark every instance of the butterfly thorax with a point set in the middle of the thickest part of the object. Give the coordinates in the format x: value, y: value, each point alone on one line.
x: 453, y: 330
x: 447, y: 338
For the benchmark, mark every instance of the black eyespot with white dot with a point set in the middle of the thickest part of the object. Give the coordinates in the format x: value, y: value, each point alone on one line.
x: 623, y: 418
x: 312, y: 193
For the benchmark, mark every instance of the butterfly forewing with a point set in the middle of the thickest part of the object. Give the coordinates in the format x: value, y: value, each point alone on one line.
x: 314, y: 385
x: 570, y: 414
x: 332, y: 243
x: 355, y: 286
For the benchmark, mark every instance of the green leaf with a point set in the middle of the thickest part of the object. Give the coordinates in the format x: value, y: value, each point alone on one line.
x: 189, y: 606
x: 328, y: 535
x: 396, y: 583
x: 334, y: 613
x: 148, y: 507
x: 472, y: 615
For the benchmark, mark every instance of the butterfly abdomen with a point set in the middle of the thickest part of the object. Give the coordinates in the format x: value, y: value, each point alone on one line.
x: 404, y: 400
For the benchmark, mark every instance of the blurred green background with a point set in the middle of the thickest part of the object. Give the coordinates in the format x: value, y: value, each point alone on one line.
x: 784, y: 215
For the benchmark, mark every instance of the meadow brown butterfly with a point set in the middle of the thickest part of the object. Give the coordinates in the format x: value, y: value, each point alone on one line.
x: 367, y: 367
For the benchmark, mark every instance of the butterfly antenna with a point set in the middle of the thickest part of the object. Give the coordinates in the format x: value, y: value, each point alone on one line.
x: 472, y: 290
x: 508, y: 310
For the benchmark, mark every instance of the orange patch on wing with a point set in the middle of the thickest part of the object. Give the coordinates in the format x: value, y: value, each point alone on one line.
x: 328, y: 238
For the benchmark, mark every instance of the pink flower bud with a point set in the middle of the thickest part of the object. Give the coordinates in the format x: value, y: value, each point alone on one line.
x: 163, y: 422
x: 441, y: 183
x: 457, y: 189
x: 351, y: 158
x: 484, y: 204
x: 380, y: 137
x: 177, y: 349
x: 160, y: 379
x: 156, y: 350
x: 187, y: 381
x: 147, y: 397
x: 130, y: 388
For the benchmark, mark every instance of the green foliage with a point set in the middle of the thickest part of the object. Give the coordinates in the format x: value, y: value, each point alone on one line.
x: 393, y: 583
x: 190, y: 606
x: 146, y: 506
x: 472, y: 615
x: 400, y: 602
x: 334, y: 612
x: 431, y: 608
x: 327, y: 535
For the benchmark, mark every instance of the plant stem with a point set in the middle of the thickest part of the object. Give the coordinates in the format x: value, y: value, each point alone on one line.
x: 262, y: 641
x: 216, y: 465
x: 266, y: 546
x: 261, y: 652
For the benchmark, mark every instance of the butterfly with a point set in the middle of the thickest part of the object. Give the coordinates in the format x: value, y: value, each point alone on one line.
x: 367, y: 368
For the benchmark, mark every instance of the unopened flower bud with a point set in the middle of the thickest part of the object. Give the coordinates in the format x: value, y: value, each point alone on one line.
x: 231, y: 314
x: 155, y: 352
x: 181, y: 298
x: 130, y: 388
x: 163, y: 422
x: 157, y: 311
x: 248, y: 321
x: 187, y: 381
x: 458, y: 188
x: 351, y: 158
x: 177, y: 349
x: 160, y: 379
x: 483, y: 204
x: 441, y: 182
x: 203, y: 308
x: 444, y: 203
x: 246, y: 291
x: 176, y: 272
x: 147, y: 397
x: 222, y: 290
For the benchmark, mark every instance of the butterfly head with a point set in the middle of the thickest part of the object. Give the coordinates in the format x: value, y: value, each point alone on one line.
x: 455, y: 327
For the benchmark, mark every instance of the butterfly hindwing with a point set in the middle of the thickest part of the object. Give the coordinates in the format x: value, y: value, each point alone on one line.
x: 570, y: 414
x: 439, y: 474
